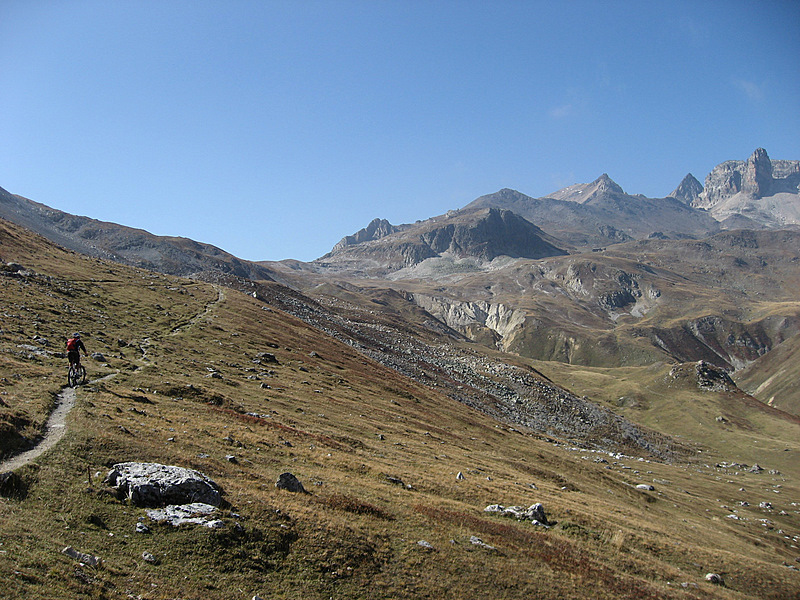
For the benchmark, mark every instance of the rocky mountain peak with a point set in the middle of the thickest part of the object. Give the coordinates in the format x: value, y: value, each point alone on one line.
x: 757, y: 176
x: 604, y: 183
x: 689, y: 190
x: 377, y: 229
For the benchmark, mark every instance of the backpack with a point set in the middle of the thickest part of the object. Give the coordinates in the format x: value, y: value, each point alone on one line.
x: 72, y: 345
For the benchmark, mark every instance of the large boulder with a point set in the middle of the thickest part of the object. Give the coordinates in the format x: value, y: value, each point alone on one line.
x: 156, y: 485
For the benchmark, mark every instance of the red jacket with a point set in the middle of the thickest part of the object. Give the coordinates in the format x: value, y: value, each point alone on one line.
x: 75, y: 345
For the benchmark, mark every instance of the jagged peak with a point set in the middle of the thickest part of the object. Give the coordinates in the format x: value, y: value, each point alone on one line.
x: 376, y: 229
x: 759, y: 154
x: 688, y: 190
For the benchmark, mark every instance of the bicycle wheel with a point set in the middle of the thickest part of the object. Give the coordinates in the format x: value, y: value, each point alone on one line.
x: 72, y: 376
x: 76, y: 376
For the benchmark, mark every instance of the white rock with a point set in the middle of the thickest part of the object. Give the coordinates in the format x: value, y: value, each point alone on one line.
x: 87, y: 559
x: 153, y: 484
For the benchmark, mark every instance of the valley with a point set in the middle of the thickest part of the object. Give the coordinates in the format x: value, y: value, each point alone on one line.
x: 638, y: 383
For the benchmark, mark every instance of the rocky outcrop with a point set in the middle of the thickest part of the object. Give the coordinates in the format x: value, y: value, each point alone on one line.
x: 757, y: 177
x: 688, y: 191
x: 287, y: 481
x: 535, y: 513
x: 462, y: 316
x: 156, y: 485
x: 196, y: 513
x: 376, y: 230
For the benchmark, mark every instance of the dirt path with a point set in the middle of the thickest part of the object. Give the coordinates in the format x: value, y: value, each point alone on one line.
x: 56, y: 425
x: 206, y: 311
x: 54, y: 430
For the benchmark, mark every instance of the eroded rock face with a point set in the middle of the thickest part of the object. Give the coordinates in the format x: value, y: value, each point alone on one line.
x: 757, y: 177
x: 157, y: 485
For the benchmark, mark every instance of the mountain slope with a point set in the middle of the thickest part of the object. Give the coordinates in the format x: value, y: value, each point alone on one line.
x: 227, y: 383
x: 601, y: 213
x: 727, y: 300
x: 172, y: 255
x: 773, y: 377
x: 481, y: 234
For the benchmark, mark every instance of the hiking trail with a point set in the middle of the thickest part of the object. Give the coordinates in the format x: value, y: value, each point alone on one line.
x: 54, y: 430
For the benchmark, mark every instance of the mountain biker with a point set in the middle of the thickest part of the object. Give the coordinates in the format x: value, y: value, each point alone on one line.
x: 74, y: 347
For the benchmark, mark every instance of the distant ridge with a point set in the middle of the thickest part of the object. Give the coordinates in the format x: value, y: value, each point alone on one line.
x: 135, y: 247
x: 483, y: 234
x: 600, y: 213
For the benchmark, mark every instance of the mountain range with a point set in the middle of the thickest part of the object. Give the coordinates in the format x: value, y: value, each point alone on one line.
x: 587, y: 275
x: 627, y: 363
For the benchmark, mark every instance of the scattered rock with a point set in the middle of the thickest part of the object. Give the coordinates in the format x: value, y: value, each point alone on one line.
x: 99, y: 357
x: 424, y: 544
x: 460, y: 476
x: 142, y: 528
x: 266, y: 357
x: 476, y: 541
x: 394, y: 480
x: 81, y: 557
x: 715, y: 578
x: 290, y: 483
x: 155, y: 485
x: 534, y: 513
x: 147, y: 557
x: 645, y: 486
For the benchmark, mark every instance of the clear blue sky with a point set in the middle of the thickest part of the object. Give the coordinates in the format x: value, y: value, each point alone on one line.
x: 273, y: 129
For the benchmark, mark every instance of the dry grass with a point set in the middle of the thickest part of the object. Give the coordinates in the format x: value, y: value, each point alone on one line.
x: 378, y: 453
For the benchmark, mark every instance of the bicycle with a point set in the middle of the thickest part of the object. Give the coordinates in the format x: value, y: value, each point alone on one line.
x: 76, y: 375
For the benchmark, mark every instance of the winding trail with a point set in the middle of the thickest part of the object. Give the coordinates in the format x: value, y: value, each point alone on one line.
x: 56, y: 425
x: 54, y: 430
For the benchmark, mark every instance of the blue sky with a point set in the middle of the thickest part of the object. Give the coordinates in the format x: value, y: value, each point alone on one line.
x: 273, y: 129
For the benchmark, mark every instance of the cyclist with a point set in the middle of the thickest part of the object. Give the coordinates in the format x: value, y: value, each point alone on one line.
x: 74, y: 347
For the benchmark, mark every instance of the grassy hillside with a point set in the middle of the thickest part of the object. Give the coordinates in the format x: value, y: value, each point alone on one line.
x: 773, y: 377
x: 207, y: 377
